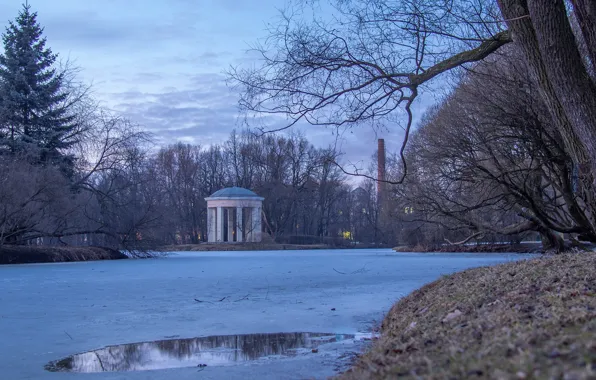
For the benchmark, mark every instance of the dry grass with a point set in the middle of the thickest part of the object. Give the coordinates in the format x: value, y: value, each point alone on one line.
x: 533, y: 319
x: 23, y: 254
x: 474, y: 248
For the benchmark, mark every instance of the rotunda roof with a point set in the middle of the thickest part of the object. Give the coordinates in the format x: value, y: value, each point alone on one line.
x: 234, y: 192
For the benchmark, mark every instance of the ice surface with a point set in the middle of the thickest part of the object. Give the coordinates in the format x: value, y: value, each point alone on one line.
x: 51, y: 311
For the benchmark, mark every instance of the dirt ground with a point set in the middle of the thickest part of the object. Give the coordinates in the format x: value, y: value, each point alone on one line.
x: 533, y: 319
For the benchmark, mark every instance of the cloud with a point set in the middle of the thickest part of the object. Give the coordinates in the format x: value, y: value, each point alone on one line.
x: 148, y: 77
x: 85, y: 28
x: 160, y: 64
x: 198, y: 59
x: 204, y: 112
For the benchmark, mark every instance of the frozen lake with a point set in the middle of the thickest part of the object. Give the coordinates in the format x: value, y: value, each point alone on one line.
x: 51, y: 311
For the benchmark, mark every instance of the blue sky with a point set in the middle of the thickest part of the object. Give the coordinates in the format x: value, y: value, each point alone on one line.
x: 161, y: 63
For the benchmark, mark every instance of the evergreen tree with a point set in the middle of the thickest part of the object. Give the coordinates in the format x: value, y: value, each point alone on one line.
x: 35, y: 117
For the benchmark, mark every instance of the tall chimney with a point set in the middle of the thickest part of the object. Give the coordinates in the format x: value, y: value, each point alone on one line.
x: 381, y: 168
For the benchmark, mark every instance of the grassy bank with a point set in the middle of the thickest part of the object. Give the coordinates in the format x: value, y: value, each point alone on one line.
x: 474, y: 248
x: 241, y: 247
x: 253, y: 247
x: 32, y: 254
x: 533, y: 319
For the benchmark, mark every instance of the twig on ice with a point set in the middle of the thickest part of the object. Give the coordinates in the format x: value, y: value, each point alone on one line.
x: 199, y: 301
x: 361, y: 270
x: 267, y: 296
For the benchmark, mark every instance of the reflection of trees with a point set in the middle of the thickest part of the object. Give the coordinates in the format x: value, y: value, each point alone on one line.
x: 212, y: 350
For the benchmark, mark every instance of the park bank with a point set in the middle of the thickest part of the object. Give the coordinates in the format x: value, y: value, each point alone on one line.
x: 529, y: 319
x: 27, y: 254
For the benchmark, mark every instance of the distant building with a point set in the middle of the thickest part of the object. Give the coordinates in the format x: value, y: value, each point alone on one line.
x: 359, y: 192
x: 234, y: 215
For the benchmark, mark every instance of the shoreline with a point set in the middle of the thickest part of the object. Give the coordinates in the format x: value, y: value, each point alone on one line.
x: 24, y: 254
x: 223, y: 247
x: 486, y: 248
x: 34, y: 254
x: 476, y: 248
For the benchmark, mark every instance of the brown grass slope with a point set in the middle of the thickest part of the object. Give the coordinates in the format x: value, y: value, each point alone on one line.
x: 23, y: 254
x: 533, y: 319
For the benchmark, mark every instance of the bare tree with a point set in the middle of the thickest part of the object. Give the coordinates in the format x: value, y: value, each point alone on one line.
x: 376, y: 55
x: 178, y: 171
x: 488, y: 161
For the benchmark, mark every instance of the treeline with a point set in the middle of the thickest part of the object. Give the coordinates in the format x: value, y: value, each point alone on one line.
x: 511, y: 151
x: 72, y: 173
x: 61, y: 157
x: 489, y: 164
x: 307, y: 198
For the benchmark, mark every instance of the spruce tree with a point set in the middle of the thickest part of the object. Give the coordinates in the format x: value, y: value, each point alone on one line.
x: 34, y: 115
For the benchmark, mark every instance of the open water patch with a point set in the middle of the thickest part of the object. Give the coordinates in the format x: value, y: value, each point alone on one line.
x: 217, y: 350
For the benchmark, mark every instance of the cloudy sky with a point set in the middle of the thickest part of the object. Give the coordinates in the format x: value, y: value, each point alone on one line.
x: 162, y: 62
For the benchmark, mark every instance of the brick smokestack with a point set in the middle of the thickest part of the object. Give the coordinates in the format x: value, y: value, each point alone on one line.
x: 381, y: 168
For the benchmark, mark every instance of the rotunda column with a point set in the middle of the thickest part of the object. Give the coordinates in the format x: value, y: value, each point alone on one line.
x: 239, y: 226
x: 219, y: 224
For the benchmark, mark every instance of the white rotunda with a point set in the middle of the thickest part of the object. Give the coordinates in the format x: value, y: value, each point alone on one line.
x: 234, y: 215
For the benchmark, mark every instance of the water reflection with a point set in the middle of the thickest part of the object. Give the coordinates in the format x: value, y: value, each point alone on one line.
x: 177, y: 353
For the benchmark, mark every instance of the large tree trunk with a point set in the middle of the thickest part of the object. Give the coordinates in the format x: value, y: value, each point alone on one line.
x: 566, y: 71
x: 524, y: 36
x: 542, y: 31
x: 551, y: 241
x: 585, y: 13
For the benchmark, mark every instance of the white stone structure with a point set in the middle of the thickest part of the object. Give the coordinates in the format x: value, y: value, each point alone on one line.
x: 234, y: 215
